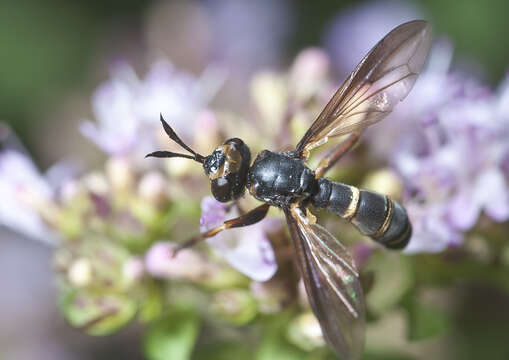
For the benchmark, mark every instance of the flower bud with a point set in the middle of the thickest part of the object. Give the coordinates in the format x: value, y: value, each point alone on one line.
x: 479, y: 248
x: 120, y: 173
x: 153, y: 188
x: 97, y: 183
x: 99, y: 263
x: 309, y: 72
x: 133, y: 270
x: 305, y: 332
x: 70, y: 191
x: 178, y: 167
x: 186, y: 265
x: 311, y: 63
x: 98, y: 313
x: 270, y: 96
x: 234, y: 306
x: 80, y: 272
x: 129, y: 229
x: 62, y: 259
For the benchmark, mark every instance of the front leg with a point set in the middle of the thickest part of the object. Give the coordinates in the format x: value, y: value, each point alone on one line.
x: 249, y: 218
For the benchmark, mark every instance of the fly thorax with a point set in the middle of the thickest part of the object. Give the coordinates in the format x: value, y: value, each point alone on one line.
x: 278, y: 178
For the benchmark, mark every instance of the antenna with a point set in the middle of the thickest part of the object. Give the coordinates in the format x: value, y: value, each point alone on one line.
x: 173, y: 136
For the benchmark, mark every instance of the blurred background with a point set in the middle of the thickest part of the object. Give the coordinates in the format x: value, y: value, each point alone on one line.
x: 54, y: 53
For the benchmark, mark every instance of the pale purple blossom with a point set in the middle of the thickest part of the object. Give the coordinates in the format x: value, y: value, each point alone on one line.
x: 247, y: 249
x: 153, y: 188
x: 187, y: 264
x: 23, y: 189
x: 432, y: 232
x: 179, y: 96
x: 430, y: 182
x: 435, y: 88
x: 309, y: 74
x: 458, y: 172
x: 113, y: 104
x: 488, y: 192
x: 127, y: 108
x: 447, y: 140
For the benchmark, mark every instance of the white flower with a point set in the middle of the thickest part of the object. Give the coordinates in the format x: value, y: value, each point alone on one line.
x: 23, y: 190
x: 113, y: 106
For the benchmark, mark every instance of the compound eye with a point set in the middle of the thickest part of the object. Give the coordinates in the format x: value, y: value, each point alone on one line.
x: 222, y: 189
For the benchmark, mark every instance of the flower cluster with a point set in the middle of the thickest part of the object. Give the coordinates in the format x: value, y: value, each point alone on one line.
x: 115, y: 229
x: 453, y: 164
x: 451, y: 153
x: 447, y: 141
x: 127, y: 108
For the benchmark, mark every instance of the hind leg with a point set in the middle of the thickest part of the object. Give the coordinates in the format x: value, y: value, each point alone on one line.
x: 337, y: 153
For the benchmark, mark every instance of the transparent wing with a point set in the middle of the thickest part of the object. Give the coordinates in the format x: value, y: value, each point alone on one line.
x: 332, y: 284
x: 383, y: 78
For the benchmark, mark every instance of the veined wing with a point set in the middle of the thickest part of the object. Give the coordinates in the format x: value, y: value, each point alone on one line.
x: 383, y: 78
x: 332, y: 283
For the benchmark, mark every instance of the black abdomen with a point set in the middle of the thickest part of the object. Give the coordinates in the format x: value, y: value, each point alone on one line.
x: 375, y: 215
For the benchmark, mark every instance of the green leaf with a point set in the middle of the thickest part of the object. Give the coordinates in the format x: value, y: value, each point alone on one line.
x: 173, y: 336
x: 393, y: 278
x: 386, y: 355
x: 224, y: 351
x: 236, y: 306
x: 274, y: 344
x: 304, y: 332
x: 425, y: 321
x: 151, y: 304
x: 433, y: 270
x: 98, y: 314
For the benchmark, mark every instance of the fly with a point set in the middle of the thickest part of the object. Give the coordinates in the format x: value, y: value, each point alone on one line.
x: 384, y: 77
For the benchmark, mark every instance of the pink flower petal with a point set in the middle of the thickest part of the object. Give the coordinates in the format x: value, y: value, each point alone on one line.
x: 186, y: 265
x: 248, y: 249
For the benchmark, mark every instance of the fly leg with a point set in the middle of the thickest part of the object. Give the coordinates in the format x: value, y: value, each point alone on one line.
x: 337, y: 153
x: 249, y: 218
